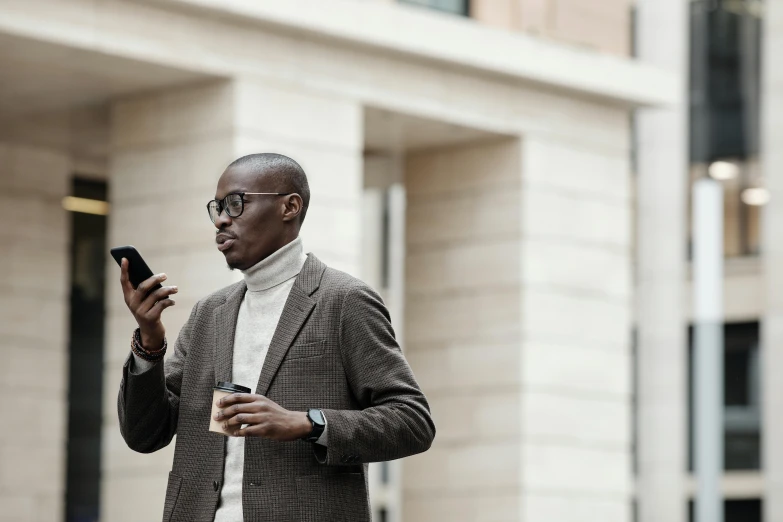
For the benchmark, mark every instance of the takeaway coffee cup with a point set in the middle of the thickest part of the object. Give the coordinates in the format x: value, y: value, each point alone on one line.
x: 221, y: 390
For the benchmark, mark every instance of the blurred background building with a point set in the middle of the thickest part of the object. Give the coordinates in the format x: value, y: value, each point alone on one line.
x: 513, y: 175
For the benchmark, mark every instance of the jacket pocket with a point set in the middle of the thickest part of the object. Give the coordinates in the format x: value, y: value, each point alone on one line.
x: 172, y: 494
x: 337, y: 498
x: 304, y: 351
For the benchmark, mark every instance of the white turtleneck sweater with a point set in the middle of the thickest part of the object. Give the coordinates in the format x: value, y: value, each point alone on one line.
x: 268, y: 284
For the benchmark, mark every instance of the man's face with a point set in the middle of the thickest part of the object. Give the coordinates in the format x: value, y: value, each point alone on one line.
x: 259, y: 231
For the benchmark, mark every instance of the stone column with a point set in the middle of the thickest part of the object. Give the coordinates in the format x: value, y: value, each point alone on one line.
x: 34, y: 329
x: 662, y: 227
x: 576, y: 315
x: 463, y: 332
x: 517, y: 326
x: 168, y: 151
x: 772, y: 321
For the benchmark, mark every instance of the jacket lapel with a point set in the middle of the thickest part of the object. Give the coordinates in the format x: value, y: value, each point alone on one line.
x: 295, y: 312
x: 225, y: 327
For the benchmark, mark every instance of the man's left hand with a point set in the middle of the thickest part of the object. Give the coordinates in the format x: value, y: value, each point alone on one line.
x: 264, y: 418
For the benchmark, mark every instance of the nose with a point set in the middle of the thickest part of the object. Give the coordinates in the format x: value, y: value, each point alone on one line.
x: 223, y: 220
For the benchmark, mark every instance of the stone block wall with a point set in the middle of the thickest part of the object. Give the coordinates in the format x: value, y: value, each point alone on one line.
x: 34, y: 293
x: 518, y: 323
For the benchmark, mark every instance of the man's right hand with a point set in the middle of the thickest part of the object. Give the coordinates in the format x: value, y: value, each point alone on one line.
x: 147, y: 306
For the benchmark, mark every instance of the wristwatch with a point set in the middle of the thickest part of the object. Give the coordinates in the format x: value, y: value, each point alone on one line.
x: 316, y: 418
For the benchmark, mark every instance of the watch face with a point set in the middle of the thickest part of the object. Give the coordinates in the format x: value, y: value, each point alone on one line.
x: 316, y: 416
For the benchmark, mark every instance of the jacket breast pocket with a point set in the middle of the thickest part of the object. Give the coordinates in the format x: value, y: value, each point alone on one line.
x: 305, y: 351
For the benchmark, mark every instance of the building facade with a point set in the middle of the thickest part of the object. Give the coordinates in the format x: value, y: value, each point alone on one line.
x: 513, y: 175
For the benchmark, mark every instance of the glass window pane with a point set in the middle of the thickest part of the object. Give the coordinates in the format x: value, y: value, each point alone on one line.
x: 742, y: 510
x: 745, y: 510
x: 724, y: 113
x: 725, y: 80
x: 742, y: 411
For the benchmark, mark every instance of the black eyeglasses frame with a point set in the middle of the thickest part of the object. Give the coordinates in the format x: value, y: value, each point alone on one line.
x: 223, y: 207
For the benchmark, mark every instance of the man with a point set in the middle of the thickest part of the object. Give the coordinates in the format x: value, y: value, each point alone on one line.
x: 333, y: 391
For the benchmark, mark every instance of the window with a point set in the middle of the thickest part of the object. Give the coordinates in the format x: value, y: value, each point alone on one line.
x: 724, y: 112
x: 458, y: 7
x: 742, y: 405
x: 88, y: 262
x: 741, y: 397
x: 745, y: 510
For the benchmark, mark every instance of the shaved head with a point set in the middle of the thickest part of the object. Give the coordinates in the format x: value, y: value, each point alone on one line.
x: 284, y: 172
x: 275, y: 196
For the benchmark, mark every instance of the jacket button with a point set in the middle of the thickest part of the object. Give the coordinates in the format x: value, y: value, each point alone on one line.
x: 216, y: 485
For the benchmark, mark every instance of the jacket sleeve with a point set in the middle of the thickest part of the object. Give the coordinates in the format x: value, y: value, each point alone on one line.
x: 148, y: 400
x: 394, y: 420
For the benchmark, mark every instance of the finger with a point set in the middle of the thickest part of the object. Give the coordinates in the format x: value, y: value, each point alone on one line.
x: 253, y: 430
x: 239, y: 397
x: 158, y: 295
x: 157, y: 309
x: 140, y: 293
x: 150, y: 282
x: 127, y: 287
x: 242, y: 418
x: 240, y: 407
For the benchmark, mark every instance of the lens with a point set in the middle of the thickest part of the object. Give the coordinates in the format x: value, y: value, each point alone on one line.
x: 213, y: 210
x: 233, y: 205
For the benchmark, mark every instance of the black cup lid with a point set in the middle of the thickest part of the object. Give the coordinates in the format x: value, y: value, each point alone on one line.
x: 231, y: 387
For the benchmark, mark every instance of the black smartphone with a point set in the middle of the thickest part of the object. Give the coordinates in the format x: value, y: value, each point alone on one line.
x: 138, y: 271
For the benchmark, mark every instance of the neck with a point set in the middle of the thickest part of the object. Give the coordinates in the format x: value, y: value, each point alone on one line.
x: 280, y: 266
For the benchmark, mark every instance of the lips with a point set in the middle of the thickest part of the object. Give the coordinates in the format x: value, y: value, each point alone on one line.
x: 224, y: 242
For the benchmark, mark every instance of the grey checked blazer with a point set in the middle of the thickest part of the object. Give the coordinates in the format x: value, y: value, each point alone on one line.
x: 334, y: 349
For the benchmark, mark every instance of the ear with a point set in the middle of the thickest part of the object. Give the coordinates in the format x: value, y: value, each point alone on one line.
x: 292, y: 207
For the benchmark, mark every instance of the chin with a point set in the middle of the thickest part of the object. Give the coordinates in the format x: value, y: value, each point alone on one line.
x: 234, y: 266
x: 236, y: 263
x: 232, y: 262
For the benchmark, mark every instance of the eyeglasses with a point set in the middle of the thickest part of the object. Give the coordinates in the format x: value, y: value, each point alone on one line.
x: 234, y: 204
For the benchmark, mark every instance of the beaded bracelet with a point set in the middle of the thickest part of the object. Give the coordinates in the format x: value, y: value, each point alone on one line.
x: 140, y: 351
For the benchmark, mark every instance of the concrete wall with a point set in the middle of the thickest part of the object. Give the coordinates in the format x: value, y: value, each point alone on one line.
x: 34, y: 291
x: 462, y: 324
x: 772, y: 321
x: 577, y: 310
x: 518, y: 316
x: 662, y: 295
